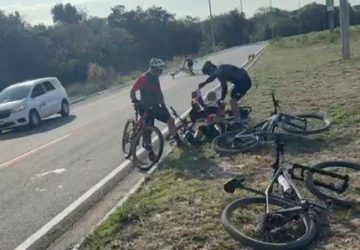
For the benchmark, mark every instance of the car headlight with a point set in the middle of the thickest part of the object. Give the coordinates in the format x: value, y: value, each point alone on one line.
x: 19, y: 108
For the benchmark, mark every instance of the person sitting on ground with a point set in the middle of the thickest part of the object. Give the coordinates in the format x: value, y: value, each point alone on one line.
x: 210, y: 114
x: 229, y: 73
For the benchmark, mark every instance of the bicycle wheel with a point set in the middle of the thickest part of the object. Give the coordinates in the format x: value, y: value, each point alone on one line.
x: 232, y: 142
x: 351, y: 195
x: 128, y: 135
x: 305, y: 124
x: 147, y: 148
x: 245, y: 220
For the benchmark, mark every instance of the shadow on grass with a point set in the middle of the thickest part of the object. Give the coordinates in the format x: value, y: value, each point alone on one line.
x: 304, y: 145
x: 196, y: 163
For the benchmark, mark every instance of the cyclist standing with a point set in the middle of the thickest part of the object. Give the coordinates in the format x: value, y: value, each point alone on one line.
x: 189, y: 62
x: 152, y: 99
x: 229, y: 73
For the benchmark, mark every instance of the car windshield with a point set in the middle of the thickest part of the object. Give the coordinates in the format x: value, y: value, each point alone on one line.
x: 14, y: 93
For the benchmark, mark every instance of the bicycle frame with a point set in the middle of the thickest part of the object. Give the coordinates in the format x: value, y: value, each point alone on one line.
x: 281, y: 171
x: 289, y: 175
x: 266, y: 129
x: 140, y: 123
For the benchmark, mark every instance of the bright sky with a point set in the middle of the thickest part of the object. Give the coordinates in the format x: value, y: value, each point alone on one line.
x: 38, y: 11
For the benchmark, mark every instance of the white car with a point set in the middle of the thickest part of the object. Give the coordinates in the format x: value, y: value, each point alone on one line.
x: 26, y: 103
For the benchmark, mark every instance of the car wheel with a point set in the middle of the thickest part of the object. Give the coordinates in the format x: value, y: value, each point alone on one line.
x: 65, y: 109
x: 34, y: 119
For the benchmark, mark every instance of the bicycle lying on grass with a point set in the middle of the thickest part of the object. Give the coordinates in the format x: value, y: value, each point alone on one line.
x: 243, y: 140
x: 189, y: 126
x: 286, y: 220
x: 143, y: 142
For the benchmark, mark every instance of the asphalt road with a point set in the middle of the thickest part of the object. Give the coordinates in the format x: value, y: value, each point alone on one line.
x: 44, y: 170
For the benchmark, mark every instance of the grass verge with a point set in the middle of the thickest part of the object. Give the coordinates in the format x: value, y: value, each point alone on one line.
x: 179, y: 206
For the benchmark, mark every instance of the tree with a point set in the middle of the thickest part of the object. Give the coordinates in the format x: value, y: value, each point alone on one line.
x: 67, y: 14
x: 232, y: 29
x: 312, y: 17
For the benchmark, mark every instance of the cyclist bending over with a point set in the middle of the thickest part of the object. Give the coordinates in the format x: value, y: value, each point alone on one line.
x: 151, y: 98
x: 229, y: 73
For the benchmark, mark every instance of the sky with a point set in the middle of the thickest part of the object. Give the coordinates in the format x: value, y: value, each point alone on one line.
x: 38, y: 11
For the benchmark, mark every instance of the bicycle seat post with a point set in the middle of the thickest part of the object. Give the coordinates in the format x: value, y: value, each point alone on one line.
x: 279, y: 152
x: 275, y: 103
x: 136, y: 114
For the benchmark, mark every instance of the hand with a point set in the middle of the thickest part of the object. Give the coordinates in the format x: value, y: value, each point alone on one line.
x: 195, y: 94
x: 137, y: 104
x: 163, y: 106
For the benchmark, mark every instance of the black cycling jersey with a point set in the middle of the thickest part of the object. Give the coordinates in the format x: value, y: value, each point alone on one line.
x: 237, y: 76
x: 230, y: 73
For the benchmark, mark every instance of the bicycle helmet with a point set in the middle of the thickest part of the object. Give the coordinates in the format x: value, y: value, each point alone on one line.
x: 157, y: 63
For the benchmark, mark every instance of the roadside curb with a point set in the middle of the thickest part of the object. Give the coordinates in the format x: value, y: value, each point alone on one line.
x: 61, y: 223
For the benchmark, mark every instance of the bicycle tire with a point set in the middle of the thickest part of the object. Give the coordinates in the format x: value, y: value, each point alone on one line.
x: 137, y: 158
x: 127, y: 139
x: 226, y: 144
x: 291, y: 128
x: 300, y: 243
x: 315, y: 190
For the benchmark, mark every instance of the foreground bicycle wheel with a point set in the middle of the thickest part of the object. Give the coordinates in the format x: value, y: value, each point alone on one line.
x: 350, y: 196
x: 305, y: 124
x: 245, y: 221
x: 148, y: 148
x: 231, y: 142
x: 128, y: 135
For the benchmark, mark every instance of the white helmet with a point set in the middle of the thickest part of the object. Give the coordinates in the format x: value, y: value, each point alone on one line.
x: 157, y: 63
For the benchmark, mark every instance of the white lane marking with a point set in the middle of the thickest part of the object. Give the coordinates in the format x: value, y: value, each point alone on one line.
x: 26, y: 155
x: 56, y: 171
x: 40, y: 190
x: 72, y: 207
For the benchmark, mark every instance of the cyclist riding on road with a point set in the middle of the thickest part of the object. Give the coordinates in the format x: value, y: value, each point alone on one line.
x: 229, y: 73
x: 151, y: 97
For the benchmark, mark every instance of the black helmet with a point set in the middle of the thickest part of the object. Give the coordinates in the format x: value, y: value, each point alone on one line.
x: 208, y: 68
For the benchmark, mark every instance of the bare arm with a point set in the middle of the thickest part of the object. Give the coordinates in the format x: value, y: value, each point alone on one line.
x: 137, y: 86
x: 209, y: 80
x: 224, y: 88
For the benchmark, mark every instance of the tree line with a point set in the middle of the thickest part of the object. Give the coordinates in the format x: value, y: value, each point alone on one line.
x: 127, y: 39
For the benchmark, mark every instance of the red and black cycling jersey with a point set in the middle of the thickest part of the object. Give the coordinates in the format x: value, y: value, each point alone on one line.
x: 150, y: 91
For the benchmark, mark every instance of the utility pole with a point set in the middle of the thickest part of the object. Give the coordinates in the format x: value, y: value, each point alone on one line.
x: 344, y: 27
x: 212, y: 28
x: 270, y: 3
x: 241, y: 7
x: 331, y: 14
